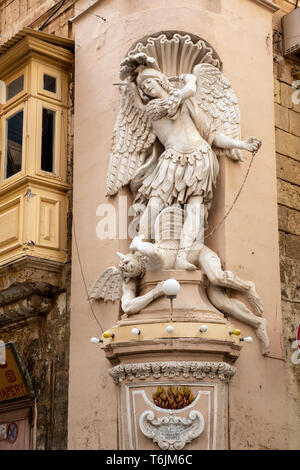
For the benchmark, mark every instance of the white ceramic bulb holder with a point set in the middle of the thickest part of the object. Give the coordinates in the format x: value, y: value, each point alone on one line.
x: 135, y: 331
x: 170, y: 329
x: 96, y: 340
x: 171, y: 288
x: 248, y: 339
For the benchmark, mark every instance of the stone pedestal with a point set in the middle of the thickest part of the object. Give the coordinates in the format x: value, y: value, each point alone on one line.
x: 200, y: 425
x: 173, y: 385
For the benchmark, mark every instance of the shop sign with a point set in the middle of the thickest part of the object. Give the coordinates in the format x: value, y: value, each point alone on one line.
x: 14, y: 380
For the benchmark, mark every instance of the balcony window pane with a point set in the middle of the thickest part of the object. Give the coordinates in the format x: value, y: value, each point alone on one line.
x: 15, y: 87
x: 48, y: 129
x: 49, y: 83
x: 14, y: 142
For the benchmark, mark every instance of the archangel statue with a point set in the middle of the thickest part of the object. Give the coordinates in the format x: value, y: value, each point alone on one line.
x: 167, y: 137
x: 166, y: 142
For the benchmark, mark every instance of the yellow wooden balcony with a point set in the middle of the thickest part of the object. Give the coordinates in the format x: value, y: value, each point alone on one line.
x: 34, y: 72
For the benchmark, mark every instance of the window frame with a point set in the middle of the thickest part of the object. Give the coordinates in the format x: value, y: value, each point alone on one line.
x: 22, y: 93
x: 15, y: 110
x: 53, y: 140
x: 44, y: 69
x: 58, y: 135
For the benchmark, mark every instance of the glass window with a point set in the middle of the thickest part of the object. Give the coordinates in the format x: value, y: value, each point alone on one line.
x: 14, y: 142
x: 48, y: 129
x: 14, y: 87
x: 49, y: 83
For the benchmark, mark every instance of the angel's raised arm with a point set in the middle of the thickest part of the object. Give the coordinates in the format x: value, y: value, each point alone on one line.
x: 190, y: 87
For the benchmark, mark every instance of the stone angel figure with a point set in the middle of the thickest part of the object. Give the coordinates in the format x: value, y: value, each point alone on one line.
x: 166, y: 141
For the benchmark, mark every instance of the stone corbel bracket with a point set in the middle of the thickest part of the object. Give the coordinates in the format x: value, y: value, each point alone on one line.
x: 198, y: 370
x: 23, y: 309
x: 28, y: 288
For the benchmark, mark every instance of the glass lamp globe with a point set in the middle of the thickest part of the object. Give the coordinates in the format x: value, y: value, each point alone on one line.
x: 94, y: 340
x: 135, y: 331
x: 248, y: 339
x: 171, y: 288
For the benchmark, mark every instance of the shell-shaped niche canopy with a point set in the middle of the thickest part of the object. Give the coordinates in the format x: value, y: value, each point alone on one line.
x: 176, y: 52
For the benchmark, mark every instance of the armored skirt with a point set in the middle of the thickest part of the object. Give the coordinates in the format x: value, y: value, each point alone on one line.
x: 178, y: 176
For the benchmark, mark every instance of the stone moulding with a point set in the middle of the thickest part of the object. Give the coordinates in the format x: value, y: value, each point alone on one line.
x: 198, y: 370
x: 171, y: 432
x: 268, y: 4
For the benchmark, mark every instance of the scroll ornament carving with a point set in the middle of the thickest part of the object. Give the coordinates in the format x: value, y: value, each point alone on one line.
x: 172, y: 432
x: 172, y: 369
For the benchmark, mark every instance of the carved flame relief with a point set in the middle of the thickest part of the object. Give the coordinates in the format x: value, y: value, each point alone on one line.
x: 174, y: 399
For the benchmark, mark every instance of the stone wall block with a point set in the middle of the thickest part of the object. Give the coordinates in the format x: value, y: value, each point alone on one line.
x: 282, y: 243
x: 286, y: 92
x: 294, y: 122
x: 290, y: 279
x: 288, y: 195
x: 282, y: 117
x: 288, y: 169
x: 292, y: 246
x: 277, y: 91
x: 288, y: 95
x: 289, y: 220
x: 287, y: 144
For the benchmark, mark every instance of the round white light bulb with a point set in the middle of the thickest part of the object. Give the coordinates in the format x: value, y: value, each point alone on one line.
x: 135, y: 331
x: 248, y: 339
x: 169, y: 329
x: 203, y: 328
x: 95, y: 340
x: 171, y: 287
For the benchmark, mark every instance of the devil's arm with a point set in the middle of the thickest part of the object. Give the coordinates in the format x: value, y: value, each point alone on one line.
x: 131, y: 304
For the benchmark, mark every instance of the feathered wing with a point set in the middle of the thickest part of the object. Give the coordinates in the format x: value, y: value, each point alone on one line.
x: 216, y: 97
x: 108, y: 286
x: 132, y: 138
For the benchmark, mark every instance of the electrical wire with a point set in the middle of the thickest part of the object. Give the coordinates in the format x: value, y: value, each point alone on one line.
x: 83, y: 277
x: 64, y: 133
x: 296, y: 5
x: 62, y: 2
x: 75, y: 237
x: 234, y: 201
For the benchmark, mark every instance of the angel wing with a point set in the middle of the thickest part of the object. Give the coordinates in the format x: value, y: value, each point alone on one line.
x: 132, y: 137
x: 108, y: 286
x: 216, y: 97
